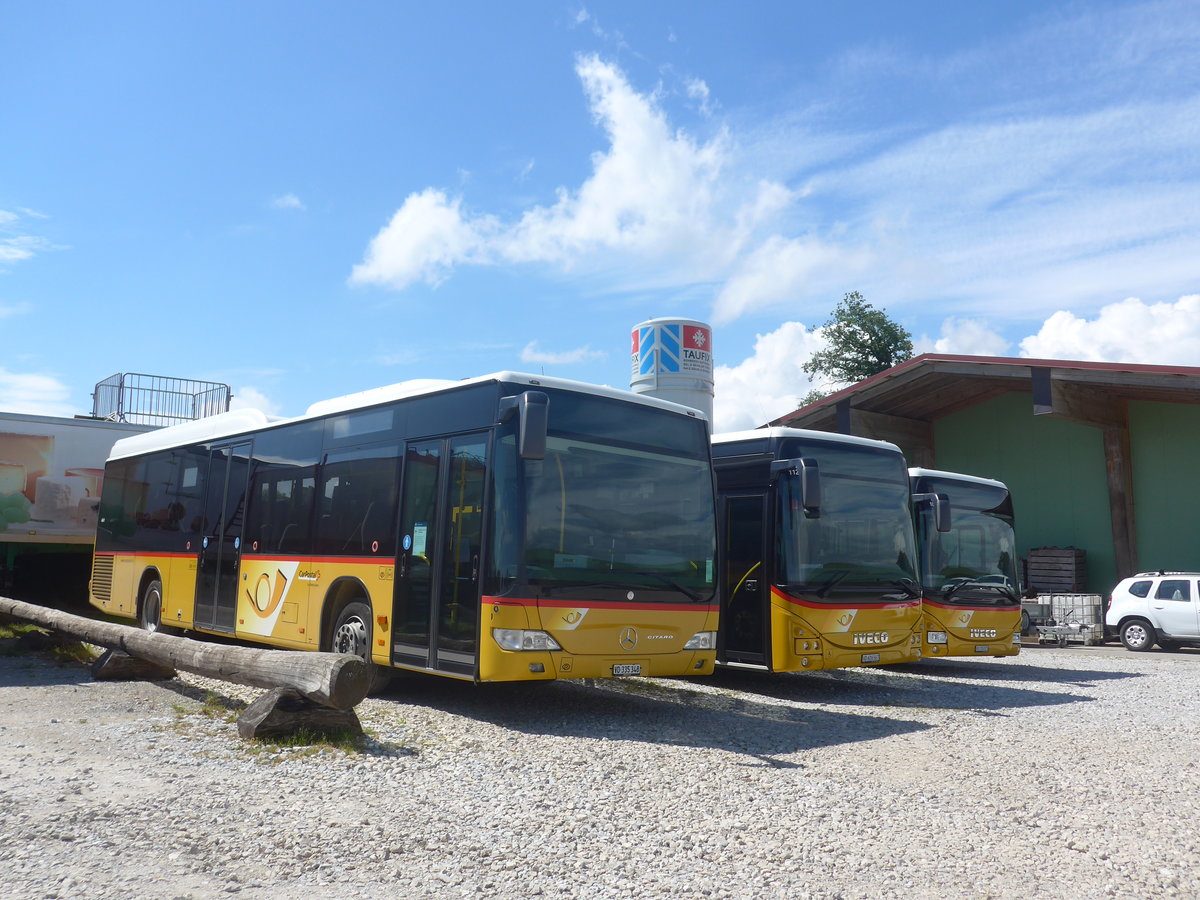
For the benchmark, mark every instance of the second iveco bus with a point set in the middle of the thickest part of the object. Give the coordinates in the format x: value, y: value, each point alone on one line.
x: 968, y: 563
x: 497, y: 529
x: 818, y: 554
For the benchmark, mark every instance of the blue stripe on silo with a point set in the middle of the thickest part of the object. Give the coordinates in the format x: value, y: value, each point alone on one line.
x: 668, y: 356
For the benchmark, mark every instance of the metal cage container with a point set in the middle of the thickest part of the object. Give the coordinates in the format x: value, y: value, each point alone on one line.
x: 157, y: 399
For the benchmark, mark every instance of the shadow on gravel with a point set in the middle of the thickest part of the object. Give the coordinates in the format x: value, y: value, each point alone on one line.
x: 891, y: 687
x: 1009, y: 671
x: 40, y: 670
x: 652, y: 712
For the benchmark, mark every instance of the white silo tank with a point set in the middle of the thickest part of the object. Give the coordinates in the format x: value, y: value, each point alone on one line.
x: 672, y: 360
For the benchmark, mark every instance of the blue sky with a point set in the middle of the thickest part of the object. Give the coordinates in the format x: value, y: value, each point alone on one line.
x: 304, y: 200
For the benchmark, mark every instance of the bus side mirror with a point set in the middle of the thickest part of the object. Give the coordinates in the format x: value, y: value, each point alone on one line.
x: 941, y: 509
x: 532, y: 409
x: 810, y: 487
x: 809, y: 474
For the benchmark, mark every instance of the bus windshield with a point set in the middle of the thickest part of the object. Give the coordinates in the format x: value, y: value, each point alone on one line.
x: 626, y: 507
x: 975, y: 561
x: 862, y: 537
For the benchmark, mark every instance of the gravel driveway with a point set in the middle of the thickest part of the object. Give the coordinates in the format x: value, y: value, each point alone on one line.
x: 1058, y: 773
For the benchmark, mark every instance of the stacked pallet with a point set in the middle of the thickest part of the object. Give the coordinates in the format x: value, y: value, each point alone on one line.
x: 1056, y: 570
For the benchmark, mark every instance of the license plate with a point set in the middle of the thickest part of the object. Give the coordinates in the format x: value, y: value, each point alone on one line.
x: 982, y: 648
x: 870, y: 657
x: 627, y: 669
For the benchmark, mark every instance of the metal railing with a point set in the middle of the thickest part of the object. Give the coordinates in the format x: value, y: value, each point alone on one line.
x: 157, y: 399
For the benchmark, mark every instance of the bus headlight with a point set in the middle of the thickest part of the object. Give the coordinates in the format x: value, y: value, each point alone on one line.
x: 702, y: 640
x: 1016, y: 637
x: 520, y: 639
x: 936, y: 637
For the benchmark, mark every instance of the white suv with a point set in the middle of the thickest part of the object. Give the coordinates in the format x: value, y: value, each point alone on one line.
x: 1156, y: 608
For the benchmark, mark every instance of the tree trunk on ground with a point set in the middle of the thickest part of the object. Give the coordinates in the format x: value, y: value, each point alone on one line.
x: 336, y: 680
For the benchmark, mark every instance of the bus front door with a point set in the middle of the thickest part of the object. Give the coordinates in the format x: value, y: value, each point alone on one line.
x: 746, y: 617
x: 438, y: 567
x: 221, y: 537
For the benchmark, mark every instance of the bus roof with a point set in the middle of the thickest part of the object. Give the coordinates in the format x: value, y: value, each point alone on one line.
x: 955, y: 476
x: 778, y: 431
x: 242, y: 421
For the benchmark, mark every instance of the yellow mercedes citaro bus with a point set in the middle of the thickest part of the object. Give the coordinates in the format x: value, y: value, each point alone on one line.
x: 967, y: 555
x: 818, y: 554
x: 502, y: 528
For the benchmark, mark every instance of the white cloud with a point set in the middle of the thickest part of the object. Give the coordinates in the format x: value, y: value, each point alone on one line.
x: 768, y: 384
x: 531, y: 354
x: 425, y: 239
x: 652, y: 192
x: 1129, y: 331
x: 252, y: 398
x: 697, y: 89
x: 1002, y: 195
x: 656, y: 197
x: 15, y: 244
x: 966, y: 337
x: 288, y: 201
x: 32, y: 394
x: 782, y: 270
x: 16, y: 249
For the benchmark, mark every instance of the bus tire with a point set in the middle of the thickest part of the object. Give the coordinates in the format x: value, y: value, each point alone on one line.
x: 352, y: 633
x: 1138, y: 635
x: 150, y: 610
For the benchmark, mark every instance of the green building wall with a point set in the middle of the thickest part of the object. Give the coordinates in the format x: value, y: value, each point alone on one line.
x: 1055, y: 471
x: 1057, y: 475
x: 1165, y: 446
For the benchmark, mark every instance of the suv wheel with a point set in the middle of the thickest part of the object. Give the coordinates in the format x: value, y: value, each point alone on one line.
x: 1138, y: 634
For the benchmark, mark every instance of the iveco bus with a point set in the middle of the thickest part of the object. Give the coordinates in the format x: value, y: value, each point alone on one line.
x: 967, y: 555
x: 502, y: 528
x: 819, y: 559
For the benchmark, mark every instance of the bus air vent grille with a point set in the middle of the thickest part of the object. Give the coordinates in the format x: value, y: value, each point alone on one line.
x: 102, y: 578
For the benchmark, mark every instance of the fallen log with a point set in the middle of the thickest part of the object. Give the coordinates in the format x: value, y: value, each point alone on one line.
x: 335, y: 680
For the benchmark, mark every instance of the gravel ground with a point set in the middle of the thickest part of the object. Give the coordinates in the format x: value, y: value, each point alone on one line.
x: 1060, y: 773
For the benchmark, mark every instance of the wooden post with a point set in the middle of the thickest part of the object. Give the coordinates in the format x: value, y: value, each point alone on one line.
x: 336, y: 680
x: 1118, y: 463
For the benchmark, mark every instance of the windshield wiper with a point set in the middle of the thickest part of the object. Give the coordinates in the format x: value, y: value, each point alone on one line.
x: 908, y: 586
x: 688, y: 592
x: 837, y: 579
x: 1004, y: 589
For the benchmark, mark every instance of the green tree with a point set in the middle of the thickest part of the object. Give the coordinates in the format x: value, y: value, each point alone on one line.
x: 863, y: 342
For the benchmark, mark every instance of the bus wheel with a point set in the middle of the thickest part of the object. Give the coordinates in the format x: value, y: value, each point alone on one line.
x: 150, y: 609
x: 352, y: 634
